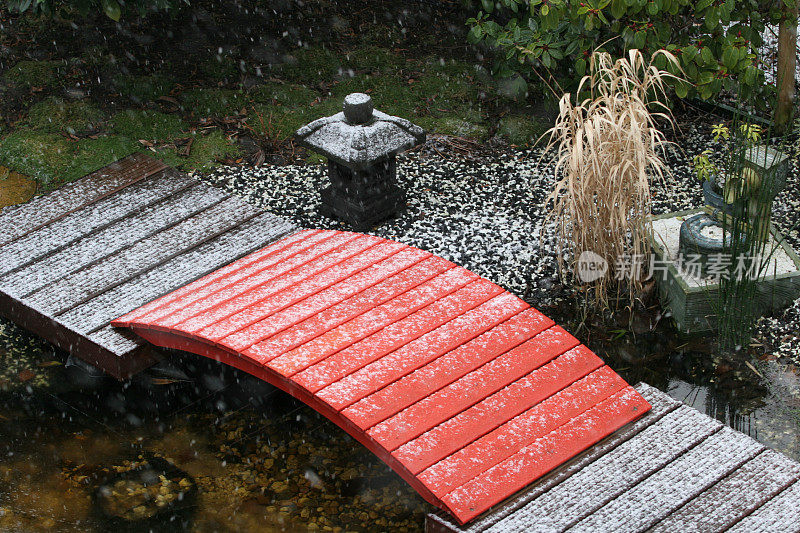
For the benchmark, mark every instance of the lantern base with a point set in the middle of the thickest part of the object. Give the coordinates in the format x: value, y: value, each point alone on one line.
x: 362, y: 214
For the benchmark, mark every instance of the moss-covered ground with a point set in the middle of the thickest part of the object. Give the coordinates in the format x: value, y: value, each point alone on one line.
x: 195, y: 106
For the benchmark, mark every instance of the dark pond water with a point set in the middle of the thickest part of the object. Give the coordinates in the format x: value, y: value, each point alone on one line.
x: 200, y: 447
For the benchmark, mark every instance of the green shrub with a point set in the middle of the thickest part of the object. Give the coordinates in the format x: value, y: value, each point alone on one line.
x: 113, y: 9
x: 36, y: 73
x: 148, y: 125
x: 715, y: 40
x: 54, y: 115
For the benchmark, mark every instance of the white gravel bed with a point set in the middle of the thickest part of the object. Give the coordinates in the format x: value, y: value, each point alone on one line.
x: 488, y: 217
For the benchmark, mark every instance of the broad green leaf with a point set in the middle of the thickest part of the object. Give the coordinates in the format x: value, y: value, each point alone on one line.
x: 111, y: 9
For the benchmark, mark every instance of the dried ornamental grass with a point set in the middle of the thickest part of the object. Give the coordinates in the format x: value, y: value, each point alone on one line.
x: 607, y: 148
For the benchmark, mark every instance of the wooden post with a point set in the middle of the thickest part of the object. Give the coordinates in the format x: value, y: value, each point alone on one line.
x: 787, y: 50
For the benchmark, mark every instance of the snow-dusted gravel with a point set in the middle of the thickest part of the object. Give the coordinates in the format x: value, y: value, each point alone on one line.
x: 487, y: 216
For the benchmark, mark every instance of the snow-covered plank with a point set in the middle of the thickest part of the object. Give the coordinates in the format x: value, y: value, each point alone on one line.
x: 781, y: 513
x: 394, y: 336
x: 515, y: 510
x: 239, y: 239
x: 612, y: 473
x: 117, y: 340
x: 121, y: 234
x: 522, y: 430
x: 271, y: 345
x: 736, y: 496
x: 447, y: 369
x: 227, y: 299
x: 643, y: 505
x: 79, y: 287
x: 274, y: 253
x: 442, y: 405
x: 17, y: 221
x: 61, y: 233
x: 366, y: 323
x: 355, y: 283
x: 504, y: 479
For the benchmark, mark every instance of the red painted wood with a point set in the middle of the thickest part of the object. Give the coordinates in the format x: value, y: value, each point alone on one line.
x: 535, y: 460
x: 442, y: 371
x: 149, y: 311
x: 462, y: 388
x: 395, y: 335
x: 377, y: 318
x: 546, y: 416
x: 486, y: 415
x: 451, y: 400
x: 271, y: 346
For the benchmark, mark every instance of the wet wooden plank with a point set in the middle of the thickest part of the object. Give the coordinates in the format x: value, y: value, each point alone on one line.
x: 504, y: 479
x: 277, y: 252
x: 204, y: 257
x: 614, y: 472
x: 515, y: 512
x: 366, y: 323
x: 310, y: 306
x: 781, y: 513
x: 445, y: 370
x: 442, y: 405
x: 269, y: 346
x: 65, y: 295
x: 17, y: 221
x: 522, y: 430
x: 486, y: 415
x: 663, y: 492
x: 63, y: 232
x: 735, y: 497
x: 122, y: 234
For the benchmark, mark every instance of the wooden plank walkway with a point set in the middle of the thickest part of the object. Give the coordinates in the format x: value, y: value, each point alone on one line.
x: 465, y: 390
x: 674, y: 469
x: 72, y: 260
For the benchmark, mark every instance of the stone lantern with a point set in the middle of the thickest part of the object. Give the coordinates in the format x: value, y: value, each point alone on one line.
x: 361, y: 145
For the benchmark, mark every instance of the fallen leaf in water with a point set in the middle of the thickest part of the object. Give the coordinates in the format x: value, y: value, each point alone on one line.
x: 26, y: 375
x: 165, y: 381
x: 47, y: 364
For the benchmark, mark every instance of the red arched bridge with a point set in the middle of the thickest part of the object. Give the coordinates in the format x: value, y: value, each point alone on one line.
x: 463, y: 389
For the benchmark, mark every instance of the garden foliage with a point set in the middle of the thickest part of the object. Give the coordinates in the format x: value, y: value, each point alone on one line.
x: 113, y: 9
x: 714, y: 40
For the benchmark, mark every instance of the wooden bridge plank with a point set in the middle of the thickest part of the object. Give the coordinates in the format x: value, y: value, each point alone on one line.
x: 612, y: 473
x: 312, y: 282
x: 121, y: 234
x: 520, y: 513
x: 375, y: 319
x: 269, y: 347
x: 735, y: 497
x: 641, y: 506
x: 450, y: 436
x: 17, y: 221
x: 274, y: 253
x: 239, y: 239
x: 779, y: 514
x: 61, y: 233
x: 446, y: 369
x: 522, y: 430
x: 330, y: 296
x: 74, y: 290
x: 506, y: 478
x: 226, y: 299
x: 446, y: 403
x: 437, y: 342
x: 395, y: 336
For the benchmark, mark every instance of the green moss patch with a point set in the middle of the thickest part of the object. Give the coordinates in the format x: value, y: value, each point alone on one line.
x: 220, y: 68
x: 205, y: 154
x: 286, y: 94
x: 372, y: 58
x: 54, y: 115
x: 455, y: 126
x: 36, y: 73
x: 214, y: 102
x: 521, y: 129
x: 54, y: 159
x: 148, y: 125
x: 143, y: 88
x: 312, y: 65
